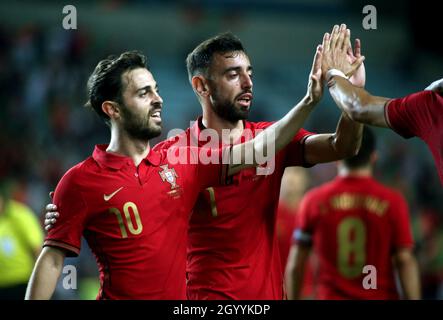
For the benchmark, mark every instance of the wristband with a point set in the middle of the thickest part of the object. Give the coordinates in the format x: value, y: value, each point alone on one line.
x: 334, y: 72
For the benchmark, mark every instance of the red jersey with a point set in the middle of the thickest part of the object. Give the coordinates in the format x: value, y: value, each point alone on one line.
x: 134, y: 220
x: 353, y: 222
x: 233, y: 248
x: 420, y: 114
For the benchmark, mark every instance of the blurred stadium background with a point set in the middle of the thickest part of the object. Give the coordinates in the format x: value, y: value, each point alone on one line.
x: 44, y: 68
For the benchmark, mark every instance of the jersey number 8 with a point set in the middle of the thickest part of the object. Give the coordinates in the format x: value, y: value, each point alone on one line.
x: 351, y: 253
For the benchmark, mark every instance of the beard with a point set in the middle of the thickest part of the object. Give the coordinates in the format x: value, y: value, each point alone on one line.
x: 139, y: 127
x: 227, y: 110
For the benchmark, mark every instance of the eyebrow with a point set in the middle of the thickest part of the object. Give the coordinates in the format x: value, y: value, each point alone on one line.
x: 249, y: 68
x: 147, y: 88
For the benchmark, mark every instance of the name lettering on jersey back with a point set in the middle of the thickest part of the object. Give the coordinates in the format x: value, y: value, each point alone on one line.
x: 348, y: 201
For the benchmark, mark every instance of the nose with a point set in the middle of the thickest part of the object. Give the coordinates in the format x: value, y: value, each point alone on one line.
x: 157, y: 98
x: 246, y: 82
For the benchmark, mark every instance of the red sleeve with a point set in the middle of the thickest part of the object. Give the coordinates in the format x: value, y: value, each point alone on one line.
x: 68, y: 229
x: 295, y: 150
x: 412, y: 115
x: 402, y: 235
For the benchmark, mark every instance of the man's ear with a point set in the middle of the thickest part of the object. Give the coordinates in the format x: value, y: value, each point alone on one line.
x: 200, y: 86
x: 110, y: 108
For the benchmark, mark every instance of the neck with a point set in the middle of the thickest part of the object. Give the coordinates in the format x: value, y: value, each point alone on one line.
x: 357, y: 172
x: 122, y: 144
x: 213, y: 121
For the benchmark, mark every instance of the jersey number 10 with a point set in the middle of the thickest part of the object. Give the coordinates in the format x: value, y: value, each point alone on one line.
x: 138, y: 224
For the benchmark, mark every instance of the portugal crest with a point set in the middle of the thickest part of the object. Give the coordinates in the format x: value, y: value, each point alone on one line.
x: 169, y: 175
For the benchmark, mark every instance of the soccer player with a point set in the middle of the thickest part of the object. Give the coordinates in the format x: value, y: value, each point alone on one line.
x: 351, y: 223
x: 232, y: 247
x: 419, y: 114
x: 132, y: 203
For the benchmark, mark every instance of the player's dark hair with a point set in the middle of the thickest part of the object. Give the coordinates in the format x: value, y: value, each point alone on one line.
x: 105, y: 83
x: 199, y: 60
x: 363, y: 156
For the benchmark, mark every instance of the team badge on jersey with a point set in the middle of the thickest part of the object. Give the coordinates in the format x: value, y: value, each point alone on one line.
x: 169, y: 175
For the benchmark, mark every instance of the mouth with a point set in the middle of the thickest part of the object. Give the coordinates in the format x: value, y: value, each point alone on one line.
x: 245, y: 100
x: 156, y: 115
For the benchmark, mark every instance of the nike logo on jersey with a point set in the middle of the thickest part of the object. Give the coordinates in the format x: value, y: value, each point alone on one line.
x: 108, y: 197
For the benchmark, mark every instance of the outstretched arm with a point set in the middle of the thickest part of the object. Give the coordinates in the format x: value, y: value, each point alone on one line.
x: 276, y: 137
x: 357, y: 103
x: 350, y: 96
x: 46, y: 272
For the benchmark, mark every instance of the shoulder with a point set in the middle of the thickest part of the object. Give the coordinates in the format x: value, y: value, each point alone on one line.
x: 78, y: 173
x: 387, y: 192
x: 171, y: 141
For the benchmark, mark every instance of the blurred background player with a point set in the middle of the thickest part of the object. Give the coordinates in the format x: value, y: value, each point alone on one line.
x: 294, y: 184
x: 351, y: 222
x: 21, y: 238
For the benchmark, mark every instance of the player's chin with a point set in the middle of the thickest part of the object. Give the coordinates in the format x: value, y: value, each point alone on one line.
x: 243, y: 107
x: 155, y: 128
x: 155, y: 123
x: 242, y: 112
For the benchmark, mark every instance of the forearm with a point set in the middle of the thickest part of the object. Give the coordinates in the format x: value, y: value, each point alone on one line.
x: 286, y: 128
x: 294, y: 280
x: 347, y: 137
x: 409, y: 279
x: 44, y: 277
x: 270, y: 141
x: 357, y: 103
x: 295, y: 271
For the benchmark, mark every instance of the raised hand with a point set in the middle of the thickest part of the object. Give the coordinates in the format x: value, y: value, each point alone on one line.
x: 315, y: 84
x: 336, y: 52
x: 359, y: 77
